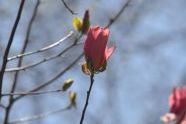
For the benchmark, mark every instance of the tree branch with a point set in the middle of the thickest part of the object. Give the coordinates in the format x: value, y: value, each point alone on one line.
x: 11, y: 100
x: 55, y: 77
x: 68, y: 8
x: 87, y: 98
x: 40, y: 116
x: 41, y: 61
x: 111, y: 21
x: 9, y: 44
x: 31, y: 93
x: 44, y: 48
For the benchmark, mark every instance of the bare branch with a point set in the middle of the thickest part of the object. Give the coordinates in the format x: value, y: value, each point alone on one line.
x: 25, y: 44
x: 10, y: 99
x: 40, y: 116
x: 44, y: 48
x: 87, y: 98
x: 55, y: 77
x: 9, y: 44
x: 41, y: 61
x: 31, y: 93
x: 68, y: 8
x: 111, y: 21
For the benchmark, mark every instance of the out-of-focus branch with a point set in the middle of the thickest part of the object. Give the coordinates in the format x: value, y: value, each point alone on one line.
x: 44, y: 48
x: 32, y: 93
x: 40, y: 116
x: 111, y: 21
x: 42, y: 61
x: 55, y: 77
x: 9, y: 44
x: 11, y: 100
x: 68, y: 8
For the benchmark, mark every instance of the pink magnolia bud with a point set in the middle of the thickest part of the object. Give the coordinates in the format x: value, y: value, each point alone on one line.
x: 95, y: 48
x: 86, y: 22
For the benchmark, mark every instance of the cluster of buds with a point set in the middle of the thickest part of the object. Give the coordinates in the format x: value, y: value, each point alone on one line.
x: 82, y: 25
x: 95, y: 46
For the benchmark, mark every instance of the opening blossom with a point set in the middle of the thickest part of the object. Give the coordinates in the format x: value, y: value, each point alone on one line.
x: 96, y: 51
x: 177, y: 101
x: 177, y: 104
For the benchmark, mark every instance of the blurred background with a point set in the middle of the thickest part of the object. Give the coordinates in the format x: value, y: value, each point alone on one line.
x: 148, y: 62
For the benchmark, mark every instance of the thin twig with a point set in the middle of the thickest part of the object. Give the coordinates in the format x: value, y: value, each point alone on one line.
x: 40, y: 116
x: 9, y: 44
x: 31, y: 93
x: 87, y: 98
x: 68, y: 8
x: 111, y: 21
x: 25, y: 43
x: 54, y: 78
x: 59, y: 74
x: 13, y: 87
x: 44, y: 48
x: 41, y: 61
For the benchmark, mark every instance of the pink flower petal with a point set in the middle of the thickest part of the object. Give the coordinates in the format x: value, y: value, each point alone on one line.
x: 109, y: 51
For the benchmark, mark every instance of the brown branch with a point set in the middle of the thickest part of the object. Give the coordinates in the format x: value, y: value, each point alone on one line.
x: 87, y: 98
x: 11, y: 100
x: 59, y: 74
x: 7, y: 50
x: 55, y: 77
x: 41, y: 61
x: 68, y: 8
x: 39, y: 116
x: 44, y: 48
x: 32, y: 93
x: 111, y: 21
x: 25, y: 44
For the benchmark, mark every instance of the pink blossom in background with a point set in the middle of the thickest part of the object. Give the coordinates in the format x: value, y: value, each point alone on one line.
x: 177, y: 101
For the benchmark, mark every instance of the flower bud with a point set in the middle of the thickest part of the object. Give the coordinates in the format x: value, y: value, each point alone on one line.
x: 67, y: 84
x: 86, y: 22
x: 96, y: 51
x: 77, y: 24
